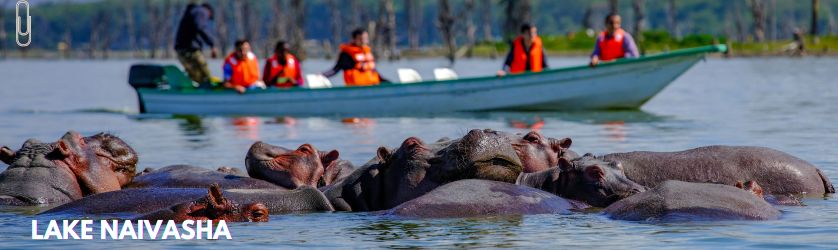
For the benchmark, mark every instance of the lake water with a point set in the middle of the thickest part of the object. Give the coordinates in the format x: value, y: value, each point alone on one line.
x: 787, y: 104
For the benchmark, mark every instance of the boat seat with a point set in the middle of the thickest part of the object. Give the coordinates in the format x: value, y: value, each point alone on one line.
x: 409, y: 76
x: 317, y: 81
x: 444, y: 74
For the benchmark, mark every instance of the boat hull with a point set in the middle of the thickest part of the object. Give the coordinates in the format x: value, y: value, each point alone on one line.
x: 619, y: 86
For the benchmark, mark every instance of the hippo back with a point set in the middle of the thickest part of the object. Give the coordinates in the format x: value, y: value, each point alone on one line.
x: 185, y: 176
x: 685, y: 201
x: 473, y: 198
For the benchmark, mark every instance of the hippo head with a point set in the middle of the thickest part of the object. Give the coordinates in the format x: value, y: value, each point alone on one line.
x: 537, y: 152
x: 416, y: 168
x: 287, y: 168
x: 68, y: 169
x: 594, y: 181
x: 215, y: 207
x: 751, y: 186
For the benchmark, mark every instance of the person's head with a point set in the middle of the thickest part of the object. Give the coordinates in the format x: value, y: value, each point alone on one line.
x: 209, y: 10
x: 612, y: 22
x: 242, y: 48
x: 528, y: 31
x: 360, y: 36
x: 281, y: 47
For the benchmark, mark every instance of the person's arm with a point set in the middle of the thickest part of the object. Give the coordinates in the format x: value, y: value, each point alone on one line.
x: 299, y: 76
x: 228, y: 72
x: 595, y: 54
x: 202, y: 23
x: 508, y: 61
x: 344, y: 62
x: 266, y: 74
x: 630, y: 47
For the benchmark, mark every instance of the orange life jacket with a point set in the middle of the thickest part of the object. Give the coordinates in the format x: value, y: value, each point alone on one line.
x: 277, y: 71
x: 611, y: 48
x: 520, y: 56
x: 245, y: 72
x: 364, y: 73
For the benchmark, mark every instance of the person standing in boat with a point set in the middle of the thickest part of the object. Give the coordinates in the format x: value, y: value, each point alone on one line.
x: 241, y: 69
x: 614, y: 42
x: 193, y: 33
x: 526, y: 53
x: 357, y: 62
x: 282, y: 70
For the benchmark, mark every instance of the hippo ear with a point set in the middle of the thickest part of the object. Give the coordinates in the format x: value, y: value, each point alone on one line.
x: 215, y: 195
x: 565, y: 165
x: 383, y: 154
x: 595, y: 173
x: 7, y: 155
x: 64, y: 148
x: 328, y: 157
x: 561, y: 143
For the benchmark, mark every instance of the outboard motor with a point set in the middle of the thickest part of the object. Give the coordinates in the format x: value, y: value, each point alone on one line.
x: 147, y: 76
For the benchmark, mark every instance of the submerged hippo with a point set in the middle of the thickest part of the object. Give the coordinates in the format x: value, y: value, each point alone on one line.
x: 289, y: 168
x: 685, y: 201
x: 415, y: 168
x: 214, y: 207
x: 66, y: 170
x: 128, y: 203
x: 185, y: 176
x: 756, y: 189
x: 596, y: 182
x: 473, y: 198
x: 777, y: 172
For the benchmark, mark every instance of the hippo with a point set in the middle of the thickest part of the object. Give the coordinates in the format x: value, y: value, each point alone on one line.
x: 129, y: 203
x: 687, y: 201
x: 778, y: 173
x: 73, y: 167
x: 415, y: 168
x: 539, y: 153
x: 756, y: 189
x: 290, y: 169
x: 335, y: 171
x: 185, y: 176
x: 594, y: 181
x: 213, y: 207
x: 475, y: 198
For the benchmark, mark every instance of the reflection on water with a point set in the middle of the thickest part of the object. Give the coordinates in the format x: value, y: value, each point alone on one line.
x: 247, y: 127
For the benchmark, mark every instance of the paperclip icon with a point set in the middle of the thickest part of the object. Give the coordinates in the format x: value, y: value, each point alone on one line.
x: 19, y: 33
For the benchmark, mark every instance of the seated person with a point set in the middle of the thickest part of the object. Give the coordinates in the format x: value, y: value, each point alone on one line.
x: 282, y: 70
x: 613, y: 43
x: 241, y: 69
x: 526, y: 53
x: 357, y: 62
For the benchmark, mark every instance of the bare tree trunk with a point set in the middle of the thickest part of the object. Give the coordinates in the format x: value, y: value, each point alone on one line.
x: 95, y: 34
x: 446, y: 27
x: 413, y: 11
x: 238, y: 18
x: 130, y: 27
x: 740, y: 24
x: 168, y: 20
x: 386, y: 30
x: 672, y: 20
x: 222, y: 30
x: 105, y: 33
x: 639, y: 17
x: 3, y: 34
x: 587, y: 18
x: 758, y: 11
x: 153, y: 28
x: 486, y: 19
x: 298, y: 34
x: 815, y: 6
x: 614, y: 6
x: 337, y: 20
x: 279, y: 31
x: 517, y: 13
x: 471, y: 30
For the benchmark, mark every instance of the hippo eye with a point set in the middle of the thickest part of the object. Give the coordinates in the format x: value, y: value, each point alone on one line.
x: 532, y: 138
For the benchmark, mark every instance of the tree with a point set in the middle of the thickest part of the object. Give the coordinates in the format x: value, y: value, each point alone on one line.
x: 386, y: 29
x: 815, y: 6
x: 446, y: 27
x: 130, y: 26
x: 222, y: 30
x: 337, y: 20
x: 471, y: 30
x: 758, y: 12
x: 614, y: 6
x: 672, y: 19
x: 298, y: 33
x: 413, y: 13
x: 639, y: 20
x: 486, y: 19
x: 517, y: 13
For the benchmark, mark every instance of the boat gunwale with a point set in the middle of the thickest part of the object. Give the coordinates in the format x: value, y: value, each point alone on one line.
x: 675, y: 53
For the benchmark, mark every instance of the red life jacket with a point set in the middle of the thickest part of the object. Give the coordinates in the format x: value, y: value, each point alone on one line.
x: 278, y: 71
x: 520, y: 56
x: 364, y: 73
x: 611, y: 48
x: 245, y: 71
